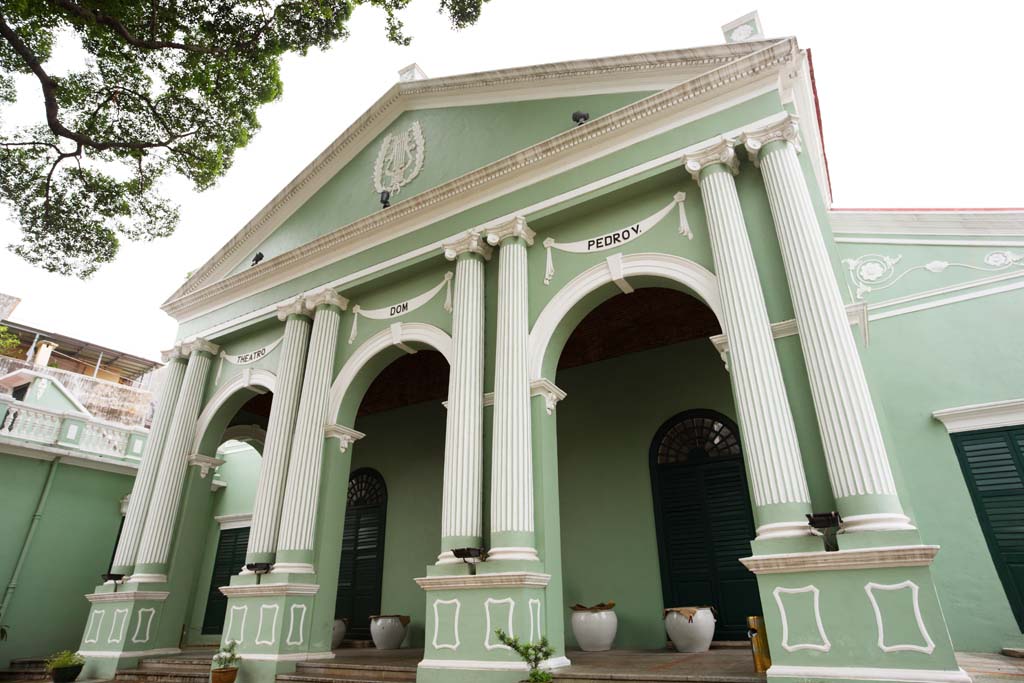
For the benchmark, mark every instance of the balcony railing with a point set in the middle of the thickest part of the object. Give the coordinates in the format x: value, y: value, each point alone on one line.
x: 70, y: 432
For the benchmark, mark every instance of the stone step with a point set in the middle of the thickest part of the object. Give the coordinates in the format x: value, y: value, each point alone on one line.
x: 24, y: 674
x: 182, y: 664
x: 333, y: 673
x: 161, y: 676
x: 33, y: 663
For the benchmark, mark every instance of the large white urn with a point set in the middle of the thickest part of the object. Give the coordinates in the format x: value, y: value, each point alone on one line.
x: 388, y: 630
x: 338, y: 633
x: 594, y: 627
x: 690, y: 628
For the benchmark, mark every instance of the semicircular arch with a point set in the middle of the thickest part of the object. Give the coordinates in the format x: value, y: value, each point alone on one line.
x: 555, y: 321
x: 227, y: 399
x: 378, y: 351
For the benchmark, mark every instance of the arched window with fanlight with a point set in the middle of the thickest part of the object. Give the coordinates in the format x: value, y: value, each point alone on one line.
x: 703, y: 517
x: 361, y: 570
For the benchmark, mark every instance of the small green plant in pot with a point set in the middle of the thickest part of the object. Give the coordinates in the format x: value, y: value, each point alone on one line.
x: 534, y: 654
x: 225, y: 663
x: 65, y: 666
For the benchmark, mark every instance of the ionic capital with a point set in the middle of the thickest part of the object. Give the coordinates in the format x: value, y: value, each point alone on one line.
x: 174, y: 353
x: 202, y: 345
x: 784, y: 129
x: 469, y: 242
x: 296, y: 306
x: 719, y: 151
x: 516, y: 227
x: 324, y: 296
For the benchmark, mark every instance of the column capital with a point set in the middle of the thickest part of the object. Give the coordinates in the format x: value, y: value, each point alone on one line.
x: 346, y: 436
x: 205, y: 463
x: 516, y: 227
x: 173, y: 353
x: 783, y: 129
x: 324, y: 296
x: 469, y: 242
x: 190, y: 347
x: 719, y: 151
x: 296, y: 306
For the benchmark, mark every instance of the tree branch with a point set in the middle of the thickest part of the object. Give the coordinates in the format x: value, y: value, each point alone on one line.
x: 120, y: 29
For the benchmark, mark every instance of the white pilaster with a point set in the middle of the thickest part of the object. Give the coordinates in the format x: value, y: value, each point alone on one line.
x: 142, y: 489
x: 280, y: 430
x: 855, y: 453
x: 462, y: 502
x: 302, y: 491
x: 155, y: 545
x: 770, y: 445
x: 512, y: 532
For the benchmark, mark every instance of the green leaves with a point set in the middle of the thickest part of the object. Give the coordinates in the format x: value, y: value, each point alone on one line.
x: 169, y: 87
x: 534, y: 654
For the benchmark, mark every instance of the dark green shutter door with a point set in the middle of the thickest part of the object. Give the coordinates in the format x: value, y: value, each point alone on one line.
x: 704, y: 520
x: 993, y: 466
x: 229, y: 561
x: 361, y: 570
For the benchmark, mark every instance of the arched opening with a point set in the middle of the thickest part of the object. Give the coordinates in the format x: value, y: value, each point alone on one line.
x: 393, y: 487
x: 630, y: 364
x: 703, y: 518
x: 233, y: 429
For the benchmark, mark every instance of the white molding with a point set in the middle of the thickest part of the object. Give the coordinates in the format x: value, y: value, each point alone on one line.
x: 856, y: 558
x: 292, y: 568
x: 236, y: 521
x: 857, y: 313
x: 273, y: 623
x: 915, y: 590
x: 147, y: 578
x: 150, y: 613
x: 490, y: 630
x: 417, y: 333
x: 484, y: 665
x: 825, y: 645
x: 132, y: 653
x: 244, y: 609
x: 496, y: 580
x: 205, y: 463
x: 290, y: 657
x: 39, y: 451
x: 736, y: 69
x: 97, y: 616
x: 684, y: 271
x: 346, y: 436
x: 544, y: 387
x: 437, y: 620
x: 242, y: 380
x: 925, y: 242
x: 823, y: 673
x: 126, y: 612
x: 982, y: 416
x: 247, y: 434
x: 270, y: 589
x: 291, y: 625
x: 158, y: 596
x: 536, y: 632
x: 956, y: 223
x: 1017, y: 282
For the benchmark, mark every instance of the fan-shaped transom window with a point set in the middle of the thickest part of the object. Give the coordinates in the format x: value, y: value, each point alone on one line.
x: 698, y: 435
x: 366, y: 487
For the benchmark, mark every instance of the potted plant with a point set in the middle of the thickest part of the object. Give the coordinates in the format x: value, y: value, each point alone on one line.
x: 225, y: 663
x: 594, y: 627
x: 534, y: 654
x: 65, y: 666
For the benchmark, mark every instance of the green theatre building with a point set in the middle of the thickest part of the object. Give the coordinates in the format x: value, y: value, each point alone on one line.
x: 598, y: 319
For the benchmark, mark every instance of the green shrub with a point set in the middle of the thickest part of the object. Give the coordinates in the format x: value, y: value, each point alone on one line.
x: 533, y: 654
x: 228, y: 656
x: 64, y: 659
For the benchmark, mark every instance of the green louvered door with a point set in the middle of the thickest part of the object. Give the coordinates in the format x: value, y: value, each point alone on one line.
x: 702, y: 511
x: 362, y: 553
x: 993, y: 464
x: 229, y: 561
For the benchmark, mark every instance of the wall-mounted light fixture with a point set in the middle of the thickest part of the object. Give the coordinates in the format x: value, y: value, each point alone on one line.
x: 385, y: 199
x: 580, y: 117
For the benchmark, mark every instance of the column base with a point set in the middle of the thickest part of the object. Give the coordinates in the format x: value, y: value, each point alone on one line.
x: 855, y: 614
x: 885, y: 521
x: 463, y: 613
x: 292, y: 568
x: 516, y: 553
x: 124, y: 624
x: 796, y: 529
x: 448, y: 558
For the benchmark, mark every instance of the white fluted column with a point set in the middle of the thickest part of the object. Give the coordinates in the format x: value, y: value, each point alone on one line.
x: 138, y: 503
x: 770, y: 447
x: 302, y: 491
x: 512, y: 532
x: 462, y: 500
x: 858, y: 464
x: 266, y: 514
x: 155, y: 546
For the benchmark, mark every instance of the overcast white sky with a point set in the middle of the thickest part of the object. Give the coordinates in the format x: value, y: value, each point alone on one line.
x: 919, y: 102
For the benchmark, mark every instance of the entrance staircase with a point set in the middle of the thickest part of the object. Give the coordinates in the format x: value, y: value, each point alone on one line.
x: 184, y: 668
x: 348, y: 672
x: 25, y: 670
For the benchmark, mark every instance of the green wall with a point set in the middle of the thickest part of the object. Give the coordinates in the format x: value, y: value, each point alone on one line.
x: 406, y: 446
x: 73, y: 545
x: 605, y: 426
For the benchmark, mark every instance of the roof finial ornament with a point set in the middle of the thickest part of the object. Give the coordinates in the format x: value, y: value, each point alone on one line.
x: 744, y: 29
x: 413, y: 72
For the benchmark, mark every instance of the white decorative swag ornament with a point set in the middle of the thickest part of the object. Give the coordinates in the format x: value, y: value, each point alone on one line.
x: 399, y: 160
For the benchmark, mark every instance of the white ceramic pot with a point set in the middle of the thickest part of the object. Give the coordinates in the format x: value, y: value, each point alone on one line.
x: 388, y: 632
x: 691, y: 636
x: 338, y: 633
x: 595, y: 631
